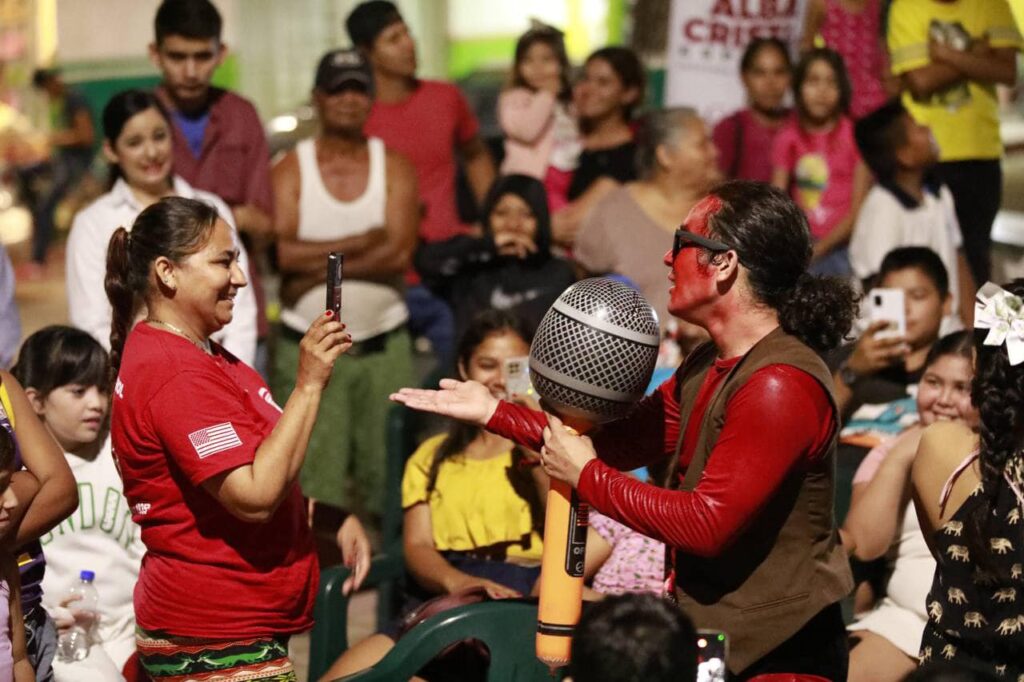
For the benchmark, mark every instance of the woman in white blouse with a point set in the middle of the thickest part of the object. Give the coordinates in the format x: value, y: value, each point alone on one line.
x: 137, y: 142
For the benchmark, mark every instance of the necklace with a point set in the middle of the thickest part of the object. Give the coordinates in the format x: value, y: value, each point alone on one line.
x: 201, y: 345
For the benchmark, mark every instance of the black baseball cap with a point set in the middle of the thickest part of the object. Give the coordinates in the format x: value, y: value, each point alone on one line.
x: 339, y: 67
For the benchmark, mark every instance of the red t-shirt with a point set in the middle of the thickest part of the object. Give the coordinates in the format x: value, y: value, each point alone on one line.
x: 427, y: 127
x: 179, y: 417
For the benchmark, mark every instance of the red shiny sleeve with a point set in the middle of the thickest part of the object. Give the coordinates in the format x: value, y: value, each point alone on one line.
x: 647, y: 435
x: 780, y: 419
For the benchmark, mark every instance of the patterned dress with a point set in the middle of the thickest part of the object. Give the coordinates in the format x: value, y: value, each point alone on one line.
x: 976, y: 614
x: 857, y: 36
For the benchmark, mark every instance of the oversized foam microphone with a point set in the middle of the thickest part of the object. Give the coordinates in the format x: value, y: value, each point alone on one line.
x: 591, y: 361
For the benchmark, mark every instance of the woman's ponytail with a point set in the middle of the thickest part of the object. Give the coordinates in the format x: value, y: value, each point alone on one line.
x: 121, y: 294
x: 172, y: 228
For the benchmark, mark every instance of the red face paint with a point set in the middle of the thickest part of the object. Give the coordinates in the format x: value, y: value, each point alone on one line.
x: 697, y: 219
x: 693, y: 282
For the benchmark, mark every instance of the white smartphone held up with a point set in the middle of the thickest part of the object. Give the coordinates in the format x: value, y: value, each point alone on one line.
x: 888, y: 305
x: 517, y: 377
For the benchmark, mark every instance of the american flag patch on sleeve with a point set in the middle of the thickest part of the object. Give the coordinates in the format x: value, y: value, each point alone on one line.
x: 214, y: 439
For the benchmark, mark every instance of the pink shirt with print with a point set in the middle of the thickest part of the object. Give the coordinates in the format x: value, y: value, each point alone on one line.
x: 821, y: 168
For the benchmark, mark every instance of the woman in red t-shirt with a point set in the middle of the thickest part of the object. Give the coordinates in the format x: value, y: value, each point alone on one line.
x: 208, y: 460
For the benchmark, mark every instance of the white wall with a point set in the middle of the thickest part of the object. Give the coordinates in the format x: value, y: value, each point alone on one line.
x: 100, y: 30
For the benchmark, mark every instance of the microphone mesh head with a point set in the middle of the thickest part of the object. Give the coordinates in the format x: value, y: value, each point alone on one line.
x: 594, y: 352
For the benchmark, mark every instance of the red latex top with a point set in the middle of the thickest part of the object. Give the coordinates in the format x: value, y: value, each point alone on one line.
x: 780, y: 419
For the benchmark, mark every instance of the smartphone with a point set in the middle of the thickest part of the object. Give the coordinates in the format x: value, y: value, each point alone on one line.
x: 335, y: 272
x: 517, y: 377
x: 712, y: 647
x: 888, y: 305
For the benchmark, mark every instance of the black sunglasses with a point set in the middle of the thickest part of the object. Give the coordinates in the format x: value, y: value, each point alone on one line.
x: 684, y: 237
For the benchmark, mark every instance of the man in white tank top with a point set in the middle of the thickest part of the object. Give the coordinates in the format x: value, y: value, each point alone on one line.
x: 341, y: 191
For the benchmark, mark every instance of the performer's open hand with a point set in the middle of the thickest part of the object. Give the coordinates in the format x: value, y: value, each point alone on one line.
x: 468, y: 401
x: 324, y: 341
x: 565, y: 453
x: 355, y: 552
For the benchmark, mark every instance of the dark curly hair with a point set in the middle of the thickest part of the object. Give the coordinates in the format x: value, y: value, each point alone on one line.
x: 997, y: 391
x: 769, y: 233
x: 484, y: 325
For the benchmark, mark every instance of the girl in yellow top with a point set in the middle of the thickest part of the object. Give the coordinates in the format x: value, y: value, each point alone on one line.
x: 472, y: 501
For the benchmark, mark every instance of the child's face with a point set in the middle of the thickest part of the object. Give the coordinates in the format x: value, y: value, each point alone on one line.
x: 767, y: 79
x: 75, y: 414
x: 820, y: 91
x: 944, y: 393
x: 8, y: 501
x: 513, y: 215
x: 540, y: 68
x: 919, y: 150
x: 487, y: 363
x: 925, y: 305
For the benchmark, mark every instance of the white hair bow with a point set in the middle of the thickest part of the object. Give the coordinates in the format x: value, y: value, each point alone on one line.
x: 1002, y: 314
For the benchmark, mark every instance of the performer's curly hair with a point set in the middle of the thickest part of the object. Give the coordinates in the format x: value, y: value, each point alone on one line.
x: 998, y: 392
x: 770, y: 234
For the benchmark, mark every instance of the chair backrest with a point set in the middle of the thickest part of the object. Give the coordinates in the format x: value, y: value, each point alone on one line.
x: 506, y: 627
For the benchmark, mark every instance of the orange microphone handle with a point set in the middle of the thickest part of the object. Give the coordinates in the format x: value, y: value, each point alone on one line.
x: 561, y: 578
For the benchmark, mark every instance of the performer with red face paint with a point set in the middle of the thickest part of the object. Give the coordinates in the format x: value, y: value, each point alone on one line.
x: 749, y: 421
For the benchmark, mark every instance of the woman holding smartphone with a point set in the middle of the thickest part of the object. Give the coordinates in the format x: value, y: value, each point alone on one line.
x: 209, y: 460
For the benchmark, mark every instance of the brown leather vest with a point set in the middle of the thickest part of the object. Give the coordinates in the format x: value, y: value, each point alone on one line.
x: 787, y: 565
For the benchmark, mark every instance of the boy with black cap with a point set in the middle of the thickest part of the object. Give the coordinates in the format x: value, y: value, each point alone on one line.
x: 429, y: 122
x: 909, y: 205
x: 344, y: 191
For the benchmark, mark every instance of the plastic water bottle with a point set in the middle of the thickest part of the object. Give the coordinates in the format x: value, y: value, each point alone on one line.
x: 73, y: 645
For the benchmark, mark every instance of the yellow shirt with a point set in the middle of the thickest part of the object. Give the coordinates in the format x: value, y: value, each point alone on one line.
x: 964, y: 117
x: 473, y: 504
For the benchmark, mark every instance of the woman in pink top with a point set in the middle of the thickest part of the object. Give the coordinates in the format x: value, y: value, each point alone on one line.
x: 853, y: 28
x: 541, y: 138
x: 815, y: 159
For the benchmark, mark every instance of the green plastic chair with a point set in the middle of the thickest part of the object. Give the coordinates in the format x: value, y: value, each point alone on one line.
x: 329, y: 637
x: 506, y: 627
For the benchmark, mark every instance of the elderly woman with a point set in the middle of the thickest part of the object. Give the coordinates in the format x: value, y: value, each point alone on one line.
x: 209, y: 461
x: 633, y: 225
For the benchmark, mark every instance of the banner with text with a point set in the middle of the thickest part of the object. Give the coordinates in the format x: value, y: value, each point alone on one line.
x: 705, y: 43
